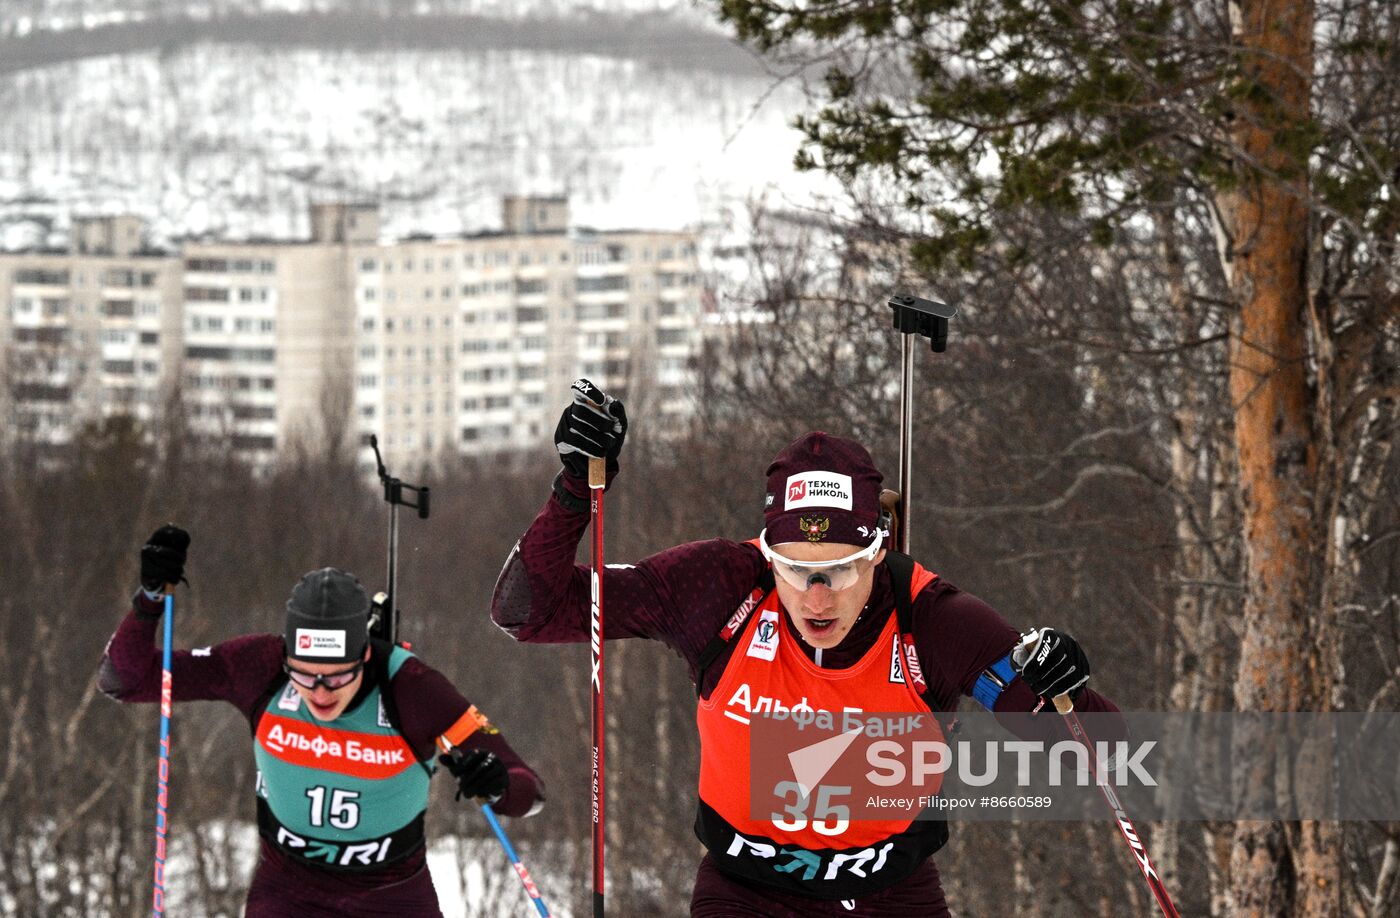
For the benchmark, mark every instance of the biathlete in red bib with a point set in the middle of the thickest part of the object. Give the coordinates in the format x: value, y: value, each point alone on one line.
x: 815, y: 608
x: 344, y: 732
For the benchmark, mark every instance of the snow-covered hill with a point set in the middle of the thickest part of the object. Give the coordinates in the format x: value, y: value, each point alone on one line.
x: 235, y: 138
x: 21, y: 17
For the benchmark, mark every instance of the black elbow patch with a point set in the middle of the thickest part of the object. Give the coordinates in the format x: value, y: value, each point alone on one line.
x: 511, y: 600
x: 107, y: 681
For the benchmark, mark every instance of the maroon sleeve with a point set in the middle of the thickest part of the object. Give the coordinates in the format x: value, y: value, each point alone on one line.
x: 681, y: 596
x: 429, y: 705
x: 961, y: 637
x: 237, y: 671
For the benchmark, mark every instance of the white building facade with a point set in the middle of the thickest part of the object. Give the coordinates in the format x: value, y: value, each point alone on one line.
x: 87, y: 333
x: 440, y: 346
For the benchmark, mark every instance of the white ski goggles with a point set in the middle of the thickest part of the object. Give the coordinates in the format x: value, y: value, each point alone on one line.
x: 836, y: 575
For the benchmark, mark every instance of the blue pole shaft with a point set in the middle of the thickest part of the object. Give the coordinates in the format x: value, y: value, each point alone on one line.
x: 158, y: 895
x: 515, y: 861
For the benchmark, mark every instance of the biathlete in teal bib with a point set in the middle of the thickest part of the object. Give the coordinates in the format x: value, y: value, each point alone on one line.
x: 345, y: 730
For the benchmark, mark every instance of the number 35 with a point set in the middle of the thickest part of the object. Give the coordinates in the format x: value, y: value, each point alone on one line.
x: 826, y: 818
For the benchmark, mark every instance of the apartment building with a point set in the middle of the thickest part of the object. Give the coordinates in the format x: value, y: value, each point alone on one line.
x: 469, y: 345
x: 269, y: 336
x: 440, y: 346
x: 88, y: 332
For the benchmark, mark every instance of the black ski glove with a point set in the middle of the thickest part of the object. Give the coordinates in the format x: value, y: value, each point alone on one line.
x: 479, y: 773
x: 1051, y: 662
x: 586, y: 431
x: 163, y: 558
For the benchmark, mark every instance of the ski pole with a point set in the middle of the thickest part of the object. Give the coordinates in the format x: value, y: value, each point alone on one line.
x: 530, y: 888
x: 597, y: 480
x: 1065, y: 705
x: 929, y: 319
x: 525, y: 879
x: 163, y: 765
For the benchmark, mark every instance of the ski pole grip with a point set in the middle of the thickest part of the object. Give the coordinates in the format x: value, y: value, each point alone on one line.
x: 597, y: 473
x: 1064, y: 704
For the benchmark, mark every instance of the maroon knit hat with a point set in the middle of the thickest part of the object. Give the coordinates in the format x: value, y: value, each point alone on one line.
x: 823, y: 489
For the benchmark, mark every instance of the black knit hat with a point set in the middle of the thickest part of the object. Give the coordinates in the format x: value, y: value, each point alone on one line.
x: 327, y: 618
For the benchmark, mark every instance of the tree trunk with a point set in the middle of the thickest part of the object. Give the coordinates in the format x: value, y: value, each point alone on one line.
x: 1284, y: 662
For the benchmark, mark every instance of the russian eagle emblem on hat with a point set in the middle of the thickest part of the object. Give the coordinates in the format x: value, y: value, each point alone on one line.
x: 814, y: 527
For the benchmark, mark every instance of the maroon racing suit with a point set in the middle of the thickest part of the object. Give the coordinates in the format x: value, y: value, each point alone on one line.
x: 683, y: 597
x: 244, y: 672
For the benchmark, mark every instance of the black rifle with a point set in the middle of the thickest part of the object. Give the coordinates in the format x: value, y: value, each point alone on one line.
x: 929, y: 319
x: 384, y: 612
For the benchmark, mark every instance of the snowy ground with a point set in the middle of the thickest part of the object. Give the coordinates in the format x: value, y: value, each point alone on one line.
x: 474, y: 879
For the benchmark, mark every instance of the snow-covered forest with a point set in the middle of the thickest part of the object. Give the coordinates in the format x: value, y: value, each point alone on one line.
x: 232, y: 128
